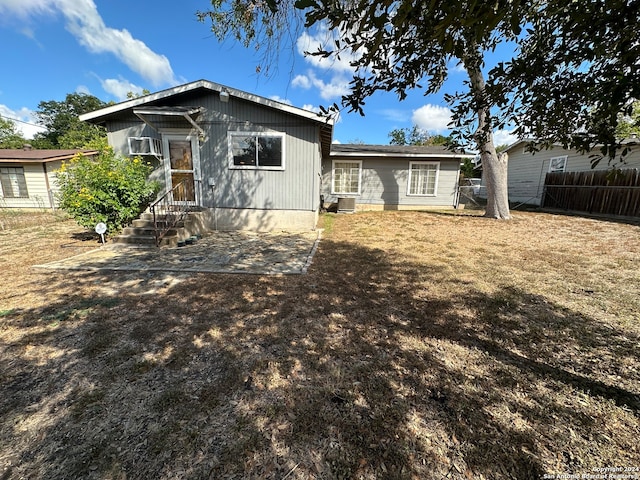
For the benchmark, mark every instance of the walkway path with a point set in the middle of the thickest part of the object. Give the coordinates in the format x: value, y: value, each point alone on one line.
x: 216, y: 252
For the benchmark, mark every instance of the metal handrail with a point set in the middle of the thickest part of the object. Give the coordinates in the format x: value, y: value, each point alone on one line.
x: 169, y: 211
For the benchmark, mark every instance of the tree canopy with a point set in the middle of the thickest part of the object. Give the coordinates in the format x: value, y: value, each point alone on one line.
x: 576, y: 73
x: 574, y: 67
x: 10, y: 137
x: 629, y: 124
x: 64, y: 129
x: 415, y: 136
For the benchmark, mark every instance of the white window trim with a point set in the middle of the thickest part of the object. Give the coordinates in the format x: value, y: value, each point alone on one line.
x: 333, y: 176
x: 155, y: 146
x: 13, y: 195
x: 435, y: 186
x: 238, y: 133
x: 564, y: 164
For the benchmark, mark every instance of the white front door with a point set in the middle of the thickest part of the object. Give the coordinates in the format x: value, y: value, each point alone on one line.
x: 182, y: 168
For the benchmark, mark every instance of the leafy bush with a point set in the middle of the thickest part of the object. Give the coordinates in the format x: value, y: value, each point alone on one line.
x: 110, y: 189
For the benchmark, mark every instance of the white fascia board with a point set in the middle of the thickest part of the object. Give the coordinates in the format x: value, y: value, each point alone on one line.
x: 518, y: 142
x: 141, y: 100
x: 274, y: 104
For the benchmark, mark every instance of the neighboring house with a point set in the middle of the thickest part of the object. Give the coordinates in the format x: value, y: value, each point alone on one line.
x: 28, y: 178
x: 390, y: 177
x: 248, y: 162
x: 527, y: 170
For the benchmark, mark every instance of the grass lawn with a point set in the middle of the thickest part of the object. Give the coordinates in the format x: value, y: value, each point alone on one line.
x: 419, y: 345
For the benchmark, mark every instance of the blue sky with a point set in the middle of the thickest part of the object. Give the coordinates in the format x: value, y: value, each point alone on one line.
x: 110, y: 47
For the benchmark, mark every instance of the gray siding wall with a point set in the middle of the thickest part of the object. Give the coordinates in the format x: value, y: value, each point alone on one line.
x: 297, y: 187
x: 527, y: 170
x: 118, y: 133
x: 384, y: 182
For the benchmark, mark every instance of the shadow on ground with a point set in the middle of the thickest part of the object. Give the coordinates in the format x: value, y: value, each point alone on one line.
x: 357, y: 370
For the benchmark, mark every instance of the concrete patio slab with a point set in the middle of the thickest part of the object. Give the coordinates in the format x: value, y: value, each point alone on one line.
x: 217, y: 252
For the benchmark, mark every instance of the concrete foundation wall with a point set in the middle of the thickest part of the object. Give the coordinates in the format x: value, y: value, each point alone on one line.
x: 257, y: 220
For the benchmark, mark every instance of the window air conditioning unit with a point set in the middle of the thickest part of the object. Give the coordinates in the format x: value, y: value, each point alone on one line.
x: 145, y: 146
x: 346, y: 204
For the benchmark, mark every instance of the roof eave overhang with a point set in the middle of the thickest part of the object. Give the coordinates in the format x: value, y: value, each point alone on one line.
x: 448, y: 156
x: 47, y: 159
x: 186, y: 113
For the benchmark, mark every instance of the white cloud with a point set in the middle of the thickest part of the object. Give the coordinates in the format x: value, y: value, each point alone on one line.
x: 504, y: 137
x: 86, y: 24
x: 329, y: 76
x: 335, y: 88
x: 324, y: 39
x: 278, y: 98
x: 24, y: 120
x: 119, y: 88
x: 83, y: 89
x: 301, y: 81
x: 432, y: 118
x: 25, y: 8
x: 457, y: 66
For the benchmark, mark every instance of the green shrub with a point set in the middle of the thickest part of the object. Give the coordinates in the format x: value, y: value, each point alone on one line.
x: 110, y: 189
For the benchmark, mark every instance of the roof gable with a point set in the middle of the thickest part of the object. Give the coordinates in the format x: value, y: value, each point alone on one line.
x: 151, y: 100
x: 99, y: 116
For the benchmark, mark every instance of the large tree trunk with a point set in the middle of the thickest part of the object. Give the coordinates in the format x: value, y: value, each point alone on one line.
x: 494, y: 171
x: 494, y: 166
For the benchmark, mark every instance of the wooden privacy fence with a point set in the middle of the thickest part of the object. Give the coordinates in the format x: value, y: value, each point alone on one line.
x: 613, y: 192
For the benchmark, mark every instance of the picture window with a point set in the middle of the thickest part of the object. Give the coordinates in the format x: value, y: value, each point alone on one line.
x: 256, y: 150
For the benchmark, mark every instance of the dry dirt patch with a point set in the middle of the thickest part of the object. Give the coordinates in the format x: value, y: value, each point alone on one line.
x: 419, y: 345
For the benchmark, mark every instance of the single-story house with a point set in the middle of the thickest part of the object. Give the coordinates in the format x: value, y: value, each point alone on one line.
x: 390, y: 177
x: 527, y: 170
x: 254, y: 163
x: 28, y: 176
x: 249, y: 162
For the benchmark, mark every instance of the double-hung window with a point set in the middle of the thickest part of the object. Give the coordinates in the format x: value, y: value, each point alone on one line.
x: 256, y: 150
x: 423, y: 178
x: 346, y: 176
x: 13, y: 182
x: 557, y: 164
